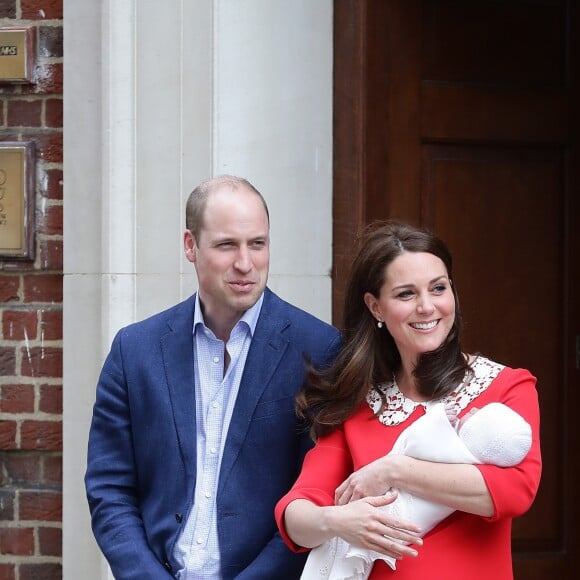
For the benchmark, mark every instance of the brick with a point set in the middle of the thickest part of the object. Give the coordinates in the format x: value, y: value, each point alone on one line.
x: 41, y: 9
x: 51, y: 324
x: 17, y: 541
x: 8, y: 90
x: 53, y: 113
x: 7, y: 435
x: 47, y: 80
x: 20, y: 468
x: 49, y: 222
x: 45, y: 435
x: 50, y: 541
x: 7, y: 10
x: 50, y: 399
x: 52, y: 184
x: 17, y: 399
x: 39, y: 505
x: 7, y: 498
x: 19, y: 325
x: 6, y: 136
x: 9, y: 287
x: 40, y: 572
x: 41, y: 362
x: 50, y: 41
x: 7, y: 361
x: 43, y: 288
x: 17, y: 265
x: 48, y: 146
x: 51, y: 255
x: 23, y: 113
x: 7, y: 572
x: 52, y: 470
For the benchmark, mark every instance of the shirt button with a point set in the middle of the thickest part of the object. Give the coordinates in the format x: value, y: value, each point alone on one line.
x: 207, y: 494
x: 216, y: 359
x: 215, y: 405
x: 213, y: 450
x: 199, y: 540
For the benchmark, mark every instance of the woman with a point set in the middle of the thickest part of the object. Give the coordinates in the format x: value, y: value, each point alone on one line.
x: 402, y: 354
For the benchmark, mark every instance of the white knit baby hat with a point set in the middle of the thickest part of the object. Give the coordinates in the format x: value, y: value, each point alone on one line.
x: 497, y: 434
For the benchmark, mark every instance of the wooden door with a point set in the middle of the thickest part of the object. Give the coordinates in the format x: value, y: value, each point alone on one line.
x: 463, y: 117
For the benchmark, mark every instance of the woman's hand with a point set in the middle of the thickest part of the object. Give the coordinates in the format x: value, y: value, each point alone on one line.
x: 370, y: 480
x: 362, y: 523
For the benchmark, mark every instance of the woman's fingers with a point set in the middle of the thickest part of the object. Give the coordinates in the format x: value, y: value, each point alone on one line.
x: 394, y: 548
x: 386, y: 534
x: 345, y: 492
x: 398, y: 539
x: 403, y: 529
x: 367, y: 481
x: 402, y: 535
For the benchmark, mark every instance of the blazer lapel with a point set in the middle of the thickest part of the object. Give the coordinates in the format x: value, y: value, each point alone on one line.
x: 267, y: 348
x: 177, y: 349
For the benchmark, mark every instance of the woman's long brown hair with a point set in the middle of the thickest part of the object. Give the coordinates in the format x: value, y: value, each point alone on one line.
x: 369, y: 356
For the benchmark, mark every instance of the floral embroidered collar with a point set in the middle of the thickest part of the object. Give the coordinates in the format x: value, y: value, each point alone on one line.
x: 398, y: 407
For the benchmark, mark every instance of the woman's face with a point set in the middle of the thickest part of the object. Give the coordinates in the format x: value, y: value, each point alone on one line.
x: 416, y: 303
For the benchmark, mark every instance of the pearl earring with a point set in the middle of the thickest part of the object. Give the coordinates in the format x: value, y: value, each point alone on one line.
x: 380, y: 324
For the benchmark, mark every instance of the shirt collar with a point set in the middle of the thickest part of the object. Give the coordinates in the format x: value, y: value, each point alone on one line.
x: 249, y: 318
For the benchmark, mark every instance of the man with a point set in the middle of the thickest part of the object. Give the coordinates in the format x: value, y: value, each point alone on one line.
x: 194, y: 435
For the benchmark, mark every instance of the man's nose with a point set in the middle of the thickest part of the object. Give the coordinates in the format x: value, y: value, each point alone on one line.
x: 243, y: 261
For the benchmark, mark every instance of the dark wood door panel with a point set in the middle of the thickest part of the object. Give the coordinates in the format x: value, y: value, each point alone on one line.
x: 489, y: 43
x: 454, y: 113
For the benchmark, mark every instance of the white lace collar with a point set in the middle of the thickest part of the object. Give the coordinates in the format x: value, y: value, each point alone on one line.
x: 398, y: 407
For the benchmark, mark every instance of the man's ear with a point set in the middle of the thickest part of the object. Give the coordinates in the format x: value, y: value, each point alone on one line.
x: 189, y: 246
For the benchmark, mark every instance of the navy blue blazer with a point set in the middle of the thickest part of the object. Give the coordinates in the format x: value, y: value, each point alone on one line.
x: 141, y: 466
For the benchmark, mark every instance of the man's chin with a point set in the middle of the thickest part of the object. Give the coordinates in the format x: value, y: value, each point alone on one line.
x: 246, y: 301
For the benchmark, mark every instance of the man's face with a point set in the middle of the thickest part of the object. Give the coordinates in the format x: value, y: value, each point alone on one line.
x: 231, y: 256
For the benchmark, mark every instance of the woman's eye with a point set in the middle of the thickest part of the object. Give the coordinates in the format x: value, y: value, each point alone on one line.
x: 405, y: 294
x: 440, y: 288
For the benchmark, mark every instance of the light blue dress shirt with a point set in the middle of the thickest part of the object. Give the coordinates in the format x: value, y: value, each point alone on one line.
x: 197, y: 549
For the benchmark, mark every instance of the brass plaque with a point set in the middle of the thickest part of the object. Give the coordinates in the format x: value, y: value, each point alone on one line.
x: 16, y: 200
x: 16, y: 54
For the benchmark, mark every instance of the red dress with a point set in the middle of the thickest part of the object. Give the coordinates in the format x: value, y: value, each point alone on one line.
x: 463, y: 546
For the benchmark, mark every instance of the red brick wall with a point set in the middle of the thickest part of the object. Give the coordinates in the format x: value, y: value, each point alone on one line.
x: 31, y: 318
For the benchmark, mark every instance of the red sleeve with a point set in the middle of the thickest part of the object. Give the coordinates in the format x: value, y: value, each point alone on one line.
x: 513, y: 489
x: 325, y: 467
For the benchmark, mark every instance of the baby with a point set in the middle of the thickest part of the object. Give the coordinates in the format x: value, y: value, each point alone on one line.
x: 494, y: 434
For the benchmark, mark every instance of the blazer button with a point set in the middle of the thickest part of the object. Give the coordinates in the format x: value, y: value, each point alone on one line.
x: 167, y: 566
x: 179, y: 518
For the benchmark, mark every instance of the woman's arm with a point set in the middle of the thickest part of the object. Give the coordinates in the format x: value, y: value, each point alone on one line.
x: 455, y: 485
x: 458, y: 486
x: 361, y: 523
